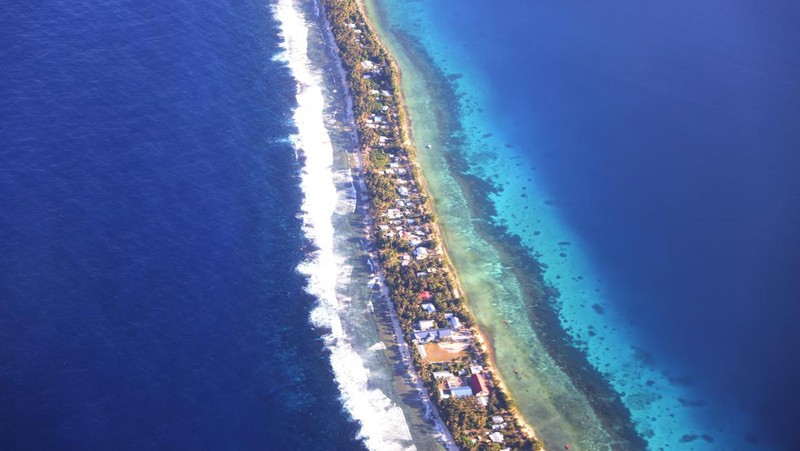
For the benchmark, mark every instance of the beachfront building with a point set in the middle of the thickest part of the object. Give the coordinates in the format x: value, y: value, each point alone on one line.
x: 405, y: 237
x: 478, y: 385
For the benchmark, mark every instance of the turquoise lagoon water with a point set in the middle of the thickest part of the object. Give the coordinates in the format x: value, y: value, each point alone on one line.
x: 642, y: 156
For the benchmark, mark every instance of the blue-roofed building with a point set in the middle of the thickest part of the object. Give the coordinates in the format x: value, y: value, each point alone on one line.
x: 460, y: 392
x: 424, y: 336
x: 428, y: 307
x: 455, y: 322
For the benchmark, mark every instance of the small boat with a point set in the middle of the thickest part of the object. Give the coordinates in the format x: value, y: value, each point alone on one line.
x: 506, y: 322
x: 516, y: 371
x: 429, y: 146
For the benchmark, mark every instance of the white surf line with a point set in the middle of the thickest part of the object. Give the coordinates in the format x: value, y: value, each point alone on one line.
x: 382, y: 424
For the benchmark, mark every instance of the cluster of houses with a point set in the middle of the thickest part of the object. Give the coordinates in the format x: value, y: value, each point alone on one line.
x: 470, y: 383
x: 357, y: 32
x: 425, y: 331
x: 369, y: 68
x: 405, y: 220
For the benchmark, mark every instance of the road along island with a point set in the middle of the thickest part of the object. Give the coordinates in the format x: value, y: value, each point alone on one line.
x: 411, y: 264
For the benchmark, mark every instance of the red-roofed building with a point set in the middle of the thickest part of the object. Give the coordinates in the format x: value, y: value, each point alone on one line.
x: 478, y: 385
x: 425, y: 295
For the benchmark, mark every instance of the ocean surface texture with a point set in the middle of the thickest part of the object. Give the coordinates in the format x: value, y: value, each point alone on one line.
x: 180, y: 265
x: 150, y: 234
x: 643, y: 157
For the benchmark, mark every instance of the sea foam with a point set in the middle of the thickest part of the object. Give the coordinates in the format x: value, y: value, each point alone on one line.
x: 382, y: 424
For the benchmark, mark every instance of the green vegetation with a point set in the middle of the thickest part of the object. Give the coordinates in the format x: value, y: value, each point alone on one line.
x: 407, y: 246
x: 462, y: 414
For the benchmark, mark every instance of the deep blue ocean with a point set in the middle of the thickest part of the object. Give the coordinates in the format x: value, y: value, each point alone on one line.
x: 149, y: 234
x: 149, y: 201
x: 667, y: 135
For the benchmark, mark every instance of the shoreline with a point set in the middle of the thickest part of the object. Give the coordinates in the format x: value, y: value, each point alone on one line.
x: 372, y: 394
x: 356, y: 165
x: 489, y: 361
x: 541, y: 299
x: 406, y: 133
x: 408, y: 130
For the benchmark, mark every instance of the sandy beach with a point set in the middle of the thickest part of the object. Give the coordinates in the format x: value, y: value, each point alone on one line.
x: 411, y: 378
x: 409, y: 138
x: 407, y: 133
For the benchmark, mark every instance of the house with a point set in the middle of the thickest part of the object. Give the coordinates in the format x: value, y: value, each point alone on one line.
x: 444, y: 333
x: 425, y: 295
x: 426, y: 324
x: 460, y: 392
x: 454, y: 322
x: 423, y: 336
x: 475, y: 369
x: 421, y: 253
x: 478, y: 384
x: 497, y: 419
x: 428, y: 307
x: 426, y: 335
x: 393, y: 213
x: 441, y: 374
x: 496, y: 437
x: 453, y: 381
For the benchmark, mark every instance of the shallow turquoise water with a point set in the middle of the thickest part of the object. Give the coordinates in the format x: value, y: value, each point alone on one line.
x: 643, y: 155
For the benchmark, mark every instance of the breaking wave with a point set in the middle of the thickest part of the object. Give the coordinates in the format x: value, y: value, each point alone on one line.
x: 382, y: 424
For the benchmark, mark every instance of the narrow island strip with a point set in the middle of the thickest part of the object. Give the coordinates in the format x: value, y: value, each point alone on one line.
x: 412, y: 267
